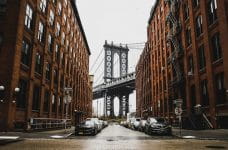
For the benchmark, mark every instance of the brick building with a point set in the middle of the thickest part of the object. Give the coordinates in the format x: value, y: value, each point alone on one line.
x: 143, y: 84
x: 189, y: 61
x: 43, y: 51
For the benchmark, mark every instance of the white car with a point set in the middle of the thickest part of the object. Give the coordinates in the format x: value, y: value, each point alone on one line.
x: 136, y: 123
x: 97, y: 122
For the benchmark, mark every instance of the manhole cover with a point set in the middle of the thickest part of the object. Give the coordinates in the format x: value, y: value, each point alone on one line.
x: 215, y: 146
x: 110, y: 140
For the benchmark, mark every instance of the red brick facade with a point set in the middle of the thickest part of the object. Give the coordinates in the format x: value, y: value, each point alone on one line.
x: 203, y: 60
x: 42, y: 61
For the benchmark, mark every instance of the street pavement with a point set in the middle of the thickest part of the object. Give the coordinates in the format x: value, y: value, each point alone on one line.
x: 115, y: 137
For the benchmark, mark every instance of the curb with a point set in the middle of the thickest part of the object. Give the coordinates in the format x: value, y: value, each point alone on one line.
x: 198, y: 138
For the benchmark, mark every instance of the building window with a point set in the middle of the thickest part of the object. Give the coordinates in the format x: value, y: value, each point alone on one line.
x: 53, y: 103
x: 25, y: 53
x: 55, y: 76
x: 54, y: 1
x: 50, y: 43
x: 36, y: 98
x: 202, y: 60
x: 43, y: 4
x: 195, y: 3
x: 57, y: 53
x: 22, y: 98
x: 60, y: 104
x: 216, y: 48
x: 190, y: 64
x: 46, y: 101
x: 62, y: 81
x: 186, y: 11
x: 212, y: 8
x: 38, y: 66
x: 41, y: 32
x: 51, y: 18
x: 57, y: 29
x: 204, y: 92
x: 199, y: 27
x: 59, y: 8
x: 48, y: 71
x: 65, y: 2
x: 220, y: 89
x: 63, y: 38
x: 64, y: 19
x: 28, y: 17
x: 188, y: 36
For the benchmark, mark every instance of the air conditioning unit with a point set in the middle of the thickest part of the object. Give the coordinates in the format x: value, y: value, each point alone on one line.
x: 190, y: 73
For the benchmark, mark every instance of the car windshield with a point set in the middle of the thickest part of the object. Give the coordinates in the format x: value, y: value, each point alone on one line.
x: 88, y: 123
x: 160, y: 120
x: 153, y: 120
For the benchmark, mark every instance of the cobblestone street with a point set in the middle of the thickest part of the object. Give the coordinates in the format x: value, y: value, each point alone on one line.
x: 114, y: 137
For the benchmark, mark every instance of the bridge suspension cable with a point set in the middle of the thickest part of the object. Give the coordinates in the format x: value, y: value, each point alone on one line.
x: 98, y: 66
x: 95, y: 62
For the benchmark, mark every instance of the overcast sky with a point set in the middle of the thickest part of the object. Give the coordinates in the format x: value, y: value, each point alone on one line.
x: 120, y: 21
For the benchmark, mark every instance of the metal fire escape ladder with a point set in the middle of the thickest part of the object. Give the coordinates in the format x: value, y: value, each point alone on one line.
x: 172, y: 38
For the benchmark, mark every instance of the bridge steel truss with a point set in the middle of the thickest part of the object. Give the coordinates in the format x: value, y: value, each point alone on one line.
x: 120, y: 87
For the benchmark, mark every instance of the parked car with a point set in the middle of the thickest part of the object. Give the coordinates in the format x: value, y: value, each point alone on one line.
x: 130, y: 124
x: 97, y: 122
x: 142, y: 125
x: 157, y: 126
x: 136, y: 123
x: 87, y: 127
x: 105, y: 123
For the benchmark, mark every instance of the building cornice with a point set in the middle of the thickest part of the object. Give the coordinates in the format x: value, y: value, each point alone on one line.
x: 74, y: 6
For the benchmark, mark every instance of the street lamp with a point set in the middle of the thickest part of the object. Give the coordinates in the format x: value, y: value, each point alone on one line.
x: 16, y: 92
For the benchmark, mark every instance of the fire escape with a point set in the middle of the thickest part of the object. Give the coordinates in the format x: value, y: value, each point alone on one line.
x: 172, y: 20
x: 197, y: 120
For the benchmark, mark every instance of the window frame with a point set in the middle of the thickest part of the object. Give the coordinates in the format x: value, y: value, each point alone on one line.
x: 29, y: 12
x: 25, y: 58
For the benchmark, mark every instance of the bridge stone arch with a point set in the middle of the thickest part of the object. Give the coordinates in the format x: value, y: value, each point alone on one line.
x: 110, y: 51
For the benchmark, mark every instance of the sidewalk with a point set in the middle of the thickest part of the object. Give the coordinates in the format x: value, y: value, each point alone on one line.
x: 61, y: 133
x: 217, y: 134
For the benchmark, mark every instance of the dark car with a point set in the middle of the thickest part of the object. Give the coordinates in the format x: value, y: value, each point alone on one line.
x: 157, y: 126
x: 87, y: 127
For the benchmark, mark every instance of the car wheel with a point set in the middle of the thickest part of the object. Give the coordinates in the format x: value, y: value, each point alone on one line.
x: 170, y: 133
x: 94, y: 132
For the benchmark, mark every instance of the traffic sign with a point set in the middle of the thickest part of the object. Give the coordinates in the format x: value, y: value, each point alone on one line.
x: 68, y: 89
x: 178, y: 111
x: 178, y: 101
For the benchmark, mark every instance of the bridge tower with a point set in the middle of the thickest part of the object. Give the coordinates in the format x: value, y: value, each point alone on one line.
x: 122, y: 52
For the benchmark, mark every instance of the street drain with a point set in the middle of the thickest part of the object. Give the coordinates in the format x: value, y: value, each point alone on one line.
x: 110, y: 140
x: 216, y: 147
